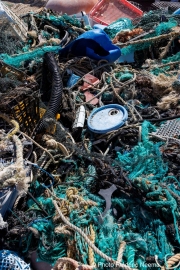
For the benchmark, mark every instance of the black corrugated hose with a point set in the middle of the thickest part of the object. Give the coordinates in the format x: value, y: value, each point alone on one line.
x: 56, y: 91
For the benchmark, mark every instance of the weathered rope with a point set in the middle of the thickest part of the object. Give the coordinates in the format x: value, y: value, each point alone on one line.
x: 11, y: 122
x: 171, y: 262
x: 90, y: 251
x: 164, y: 36
x: 73, y: 227
x: 121, y: 251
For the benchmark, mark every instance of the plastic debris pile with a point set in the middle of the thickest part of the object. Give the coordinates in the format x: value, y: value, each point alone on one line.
x: 89, y: 143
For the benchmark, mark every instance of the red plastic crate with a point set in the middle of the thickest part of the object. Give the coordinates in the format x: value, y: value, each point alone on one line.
x: 107, y: 11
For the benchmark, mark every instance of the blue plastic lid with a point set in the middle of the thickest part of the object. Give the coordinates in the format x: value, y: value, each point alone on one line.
x: 107, y: 118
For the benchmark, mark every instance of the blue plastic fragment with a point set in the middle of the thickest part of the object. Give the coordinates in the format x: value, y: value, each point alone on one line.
x: 107, y: 118
x: 129, y: 58
x: 118, y: 26
x: 94, y: 44
x: 72, y: 80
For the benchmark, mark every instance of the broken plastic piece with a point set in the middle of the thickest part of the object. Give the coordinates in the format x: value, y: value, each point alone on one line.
x: 3, y: 224
x: 89, y: 96
x: 80, y: 117
x: 72, y: 80
x: 94, y: 44
x: 89, y: 78
x: 129, y: 58
x: 3, y: 13
x: 169, y: 130
x: 99, y: 26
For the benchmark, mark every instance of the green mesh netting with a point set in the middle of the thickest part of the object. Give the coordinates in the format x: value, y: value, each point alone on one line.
x: 144, y: 235
x: 156, y: 71
x: 147, y: 169
x: 63, y: 20
x: 124, y: 76
x: 145, y: 158
x: 151, y: 19
x: 117, y: 26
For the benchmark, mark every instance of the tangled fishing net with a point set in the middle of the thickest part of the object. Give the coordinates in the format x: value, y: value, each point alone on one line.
x: 86, y: 200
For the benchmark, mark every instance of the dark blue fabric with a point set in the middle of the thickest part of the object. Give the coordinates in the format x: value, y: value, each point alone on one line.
x: 94, y: 44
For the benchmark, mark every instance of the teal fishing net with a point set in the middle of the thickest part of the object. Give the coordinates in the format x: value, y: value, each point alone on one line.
x: 140, y: 209
x: 162, y: 28
x: 135, y: 229
x: 16, y: 53
x: 117, y: 26
x: 147, y: 170
x: 145, y: 158
x: 122, y: 76
x: 153, y: 18
x: 63, y: 20
x: 157, y: 70
x: 36, y: 54
x: 127, y: 221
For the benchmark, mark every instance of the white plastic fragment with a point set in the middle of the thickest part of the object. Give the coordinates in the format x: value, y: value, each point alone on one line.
x: 80, y: 117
